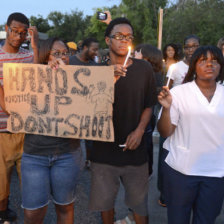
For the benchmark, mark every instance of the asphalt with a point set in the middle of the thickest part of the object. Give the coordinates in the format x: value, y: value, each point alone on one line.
x: 157, y: 214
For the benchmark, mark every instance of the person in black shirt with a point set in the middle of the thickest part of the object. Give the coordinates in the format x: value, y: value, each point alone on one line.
x: 86, y: 56
x: 125, y: 159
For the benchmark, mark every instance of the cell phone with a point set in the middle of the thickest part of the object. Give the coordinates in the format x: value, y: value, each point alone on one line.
x: 101, y: 16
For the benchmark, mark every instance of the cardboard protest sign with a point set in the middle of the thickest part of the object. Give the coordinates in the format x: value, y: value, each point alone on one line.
x: 70, y: 102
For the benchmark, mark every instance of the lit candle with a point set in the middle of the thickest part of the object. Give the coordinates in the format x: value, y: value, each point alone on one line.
x: 128, y: 55
x: 170, y: 74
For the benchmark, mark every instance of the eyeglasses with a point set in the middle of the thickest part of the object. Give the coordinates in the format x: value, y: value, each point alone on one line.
x: 193, y: 47
x: 16, y: 33
x: 59, y: 54
x: 205, y: 61
x: 119, y: 36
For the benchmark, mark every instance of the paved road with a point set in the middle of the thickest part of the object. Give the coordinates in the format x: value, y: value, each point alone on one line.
x: 157, y: 214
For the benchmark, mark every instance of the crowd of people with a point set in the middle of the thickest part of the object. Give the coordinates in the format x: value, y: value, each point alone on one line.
x: 182, y: 92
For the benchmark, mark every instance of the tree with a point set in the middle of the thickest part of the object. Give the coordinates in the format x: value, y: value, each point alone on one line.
x: 143, y: 15
x: 70, y: 27
x: 201, y: 17
x: 181, y: 18
x: 97, y: 28
x: 41, y: 23
x: 2, y: 27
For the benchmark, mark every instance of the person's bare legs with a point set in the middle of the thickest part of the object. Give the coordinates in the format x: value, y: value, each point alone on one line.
x: 140, y: 219
x: 3, y: 204
x: 6, y: 213
x: 65, y: 213
x: 34, y: 216
x: 108, y: 216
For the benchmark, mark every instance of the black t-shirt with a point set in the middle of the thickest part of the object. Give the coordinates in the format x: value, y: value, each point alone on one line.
x: 133, y: 94
x: 73, y: 60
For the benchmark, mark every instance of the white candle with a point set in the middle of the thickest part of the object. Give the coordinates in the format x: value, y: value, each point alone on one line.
x: 170, y: 74
x: 168, y: 81
x: 122, y: 146
x: 128, y: 55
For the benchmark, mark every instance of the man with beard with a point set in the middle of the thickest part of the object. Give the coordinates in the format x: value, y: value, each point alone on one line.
x: 86, y: 56
x: 90, y: 47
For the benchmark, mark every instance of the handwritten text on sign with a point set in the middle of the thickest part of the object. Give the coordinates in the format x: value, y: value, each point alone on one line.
x: 72, y: 101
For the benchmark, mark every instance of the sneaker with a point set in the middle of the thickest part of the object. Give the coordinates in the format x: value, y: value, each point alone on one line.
x: 126, y: 220
x: 7, y: 215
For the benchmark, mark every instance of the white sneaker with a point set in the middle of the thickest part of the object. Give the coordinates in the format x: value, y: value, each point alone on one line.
x: 126, y: 220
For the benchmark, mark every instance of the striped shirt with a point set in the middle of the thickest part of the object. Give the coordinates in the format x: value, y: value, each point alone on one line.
x: 22, y: 56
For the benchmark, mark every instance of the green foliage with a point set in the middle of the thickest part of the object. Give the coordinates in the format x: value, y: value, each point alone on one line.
x: 143, y: 15
x: 97, y: 28
x: 41, y: 23
x: 2, y: 27
x: 70, y: 27
x: 201, y: 17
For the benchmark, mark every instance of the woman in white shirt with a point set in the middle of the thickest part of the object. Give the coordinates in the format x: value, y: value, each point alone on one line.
x: 178, y: 71
x: 193, y: 120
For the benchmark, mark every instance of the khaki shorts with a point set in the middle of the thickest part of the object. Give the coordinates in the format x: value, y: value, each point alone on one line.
x: 11, y: 148
x: 105, y: 183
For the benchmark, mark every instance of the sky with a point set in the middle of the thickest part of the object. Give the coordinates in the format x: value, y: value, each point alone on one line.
x: 44, y: 7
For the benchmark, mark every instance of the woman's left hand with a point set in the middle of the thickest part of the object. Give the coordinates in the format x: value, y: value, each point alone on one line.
x: 56, y: 63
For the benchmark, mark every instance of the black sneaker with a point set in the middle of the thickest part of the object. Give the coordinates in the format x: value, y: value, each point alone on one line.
x: 7, y: 215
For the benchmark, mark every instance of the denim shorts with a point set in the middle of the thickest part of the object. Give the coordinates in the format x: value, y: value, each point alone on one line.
x: 50, y: 177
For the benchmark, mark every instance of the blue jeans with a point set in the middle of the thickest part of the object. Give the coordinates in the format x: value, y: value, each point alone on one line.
x: 46, y: 177
x: 184, y: 193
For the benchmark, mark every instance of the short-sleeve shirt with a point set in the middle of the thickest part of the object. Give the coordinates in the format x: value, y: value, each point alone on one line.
x: 197, y: 145
x: 133, y: 94
x: 177, y: 72
x: 22, y: 56
x: 73, y: 60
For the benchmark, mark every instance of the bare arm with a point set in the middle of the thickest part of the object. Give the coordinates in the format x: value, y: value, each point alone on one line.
x: 2, y: 101
x: 34, y: 43
x: 134, y: 138
x: 165, y: 127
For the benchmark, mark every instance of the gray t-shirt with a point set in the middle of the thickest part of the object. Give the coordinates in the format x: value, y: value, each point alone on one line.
x: 73, y: 60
